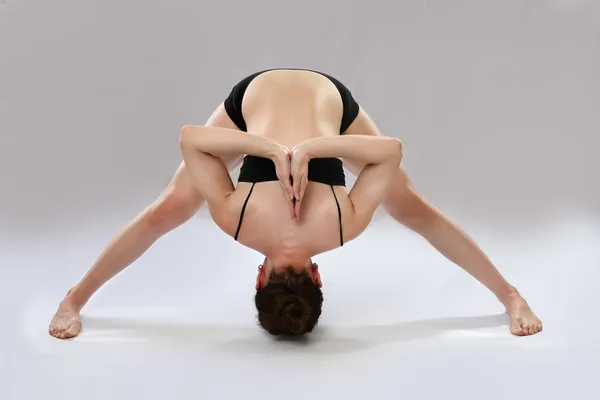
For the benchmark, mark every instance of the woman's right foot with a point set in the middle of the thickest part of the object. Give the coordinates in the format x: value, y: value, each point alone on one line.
x: 66, y: 322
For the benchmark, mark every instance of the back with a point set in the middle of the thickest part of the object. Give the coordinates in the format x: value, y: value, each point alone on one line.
x: 289, y: 107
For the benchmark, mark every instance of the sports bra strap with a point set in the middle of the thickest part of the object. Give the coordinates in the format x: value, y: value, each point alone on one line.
x: 237, y: 232
x: 339, y: 215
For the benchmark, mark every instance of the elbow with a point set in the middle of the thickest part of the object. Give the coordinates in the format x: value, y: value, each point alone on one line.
x: 184, y: 136
x: 188, y: 136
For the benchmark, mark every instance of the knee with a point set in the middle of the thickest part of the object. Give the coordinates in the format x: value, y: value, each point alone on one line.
x: 171, y: 210
x: 413, y: 211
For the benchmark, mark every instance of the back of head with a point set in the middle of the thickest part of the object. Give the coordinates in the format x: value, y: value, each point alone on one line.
x: 290, y: 304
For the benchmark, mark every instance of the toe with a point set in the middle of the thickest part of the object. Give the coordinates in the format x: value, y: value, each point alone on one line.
x: 516, y: 327
x: 71, y: 332
x: 517, y: 330
x: 533, y: 329
x: 73, y: 329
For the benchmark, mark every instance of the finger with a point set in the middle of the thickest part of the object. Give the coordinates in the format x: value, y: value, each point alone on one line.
x: 300, y: 188
x: 304, y: 185
x: 287, y: 188
x: 299, y: 191
x: 296, y: 189
x: 297, y: 209
x: 291, y: 209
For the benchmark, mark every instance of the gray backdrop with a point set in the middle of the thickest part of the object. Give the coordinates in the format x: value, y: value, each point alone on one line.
x: 497, y: 103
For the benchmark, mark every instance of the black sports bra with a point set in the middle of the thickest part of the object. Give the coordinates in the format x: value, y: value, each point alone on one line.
x: 254, y: 169
x: 329, y: 171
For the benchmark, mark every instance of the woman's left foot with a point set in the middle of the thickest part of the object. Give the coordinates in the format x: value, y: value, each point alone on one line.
x: 523, y: 322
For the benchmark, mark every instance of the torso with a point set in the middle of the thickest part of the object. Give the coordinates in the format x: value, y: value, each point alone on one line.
x: 289, y: 107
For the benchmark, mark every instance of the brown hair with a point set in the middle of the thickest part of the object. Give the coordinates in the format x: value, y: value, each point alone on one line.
x: 290, y: 304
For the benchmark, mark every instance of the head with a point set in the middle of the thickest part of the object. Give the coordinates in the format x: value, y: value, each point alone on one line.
x: 288, y: 298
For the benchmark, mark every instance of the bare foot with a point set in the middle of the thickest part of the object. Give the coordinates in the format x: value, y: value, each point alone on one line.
x: 523, y: 322
x: 66, y: 322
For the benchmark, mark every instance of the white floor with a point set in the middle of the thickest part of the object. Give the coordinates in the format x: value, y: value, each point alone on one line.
x: 407, y: 324
x: 496, y: 103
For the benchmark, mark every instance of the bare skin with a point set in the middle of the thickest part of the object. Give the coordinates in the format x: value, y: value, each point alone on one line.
x: 407, y: 206
x: 269, y: 105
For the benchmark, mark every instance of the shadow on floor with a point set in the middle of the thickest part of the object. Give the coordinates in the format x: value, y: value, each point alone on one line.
x: 237, y: 338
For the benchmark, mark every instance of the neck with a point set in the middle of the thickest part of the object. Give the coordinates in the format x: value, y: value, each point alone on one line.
x: 282, y: 260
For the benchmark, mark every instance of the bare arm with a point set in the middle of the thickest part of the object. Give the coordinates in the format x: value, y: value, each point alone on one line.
x: 203, y: 149
x: 380, y: 156
x: 221, y: 119
x: 402, y: 195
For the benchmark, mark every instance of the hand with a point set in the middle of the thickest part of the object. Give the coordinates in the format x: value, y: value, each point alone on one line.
x: 281, y: 157
x: 299, y: 172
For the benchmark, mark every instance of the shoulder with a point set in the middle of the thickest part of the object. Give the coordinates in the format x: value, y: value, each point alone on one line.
x: 354, y: 223
x: 225, y: 215
x: 333, y: 222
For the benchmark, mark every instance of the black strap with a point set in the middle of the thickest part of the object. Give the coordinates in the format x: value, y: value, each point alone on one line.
x: 339, y: 216
x: 237, y: 232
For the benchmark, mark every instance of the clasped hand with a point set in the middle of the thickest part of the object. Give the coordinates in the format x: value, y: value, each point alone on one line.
x: 291, y: 166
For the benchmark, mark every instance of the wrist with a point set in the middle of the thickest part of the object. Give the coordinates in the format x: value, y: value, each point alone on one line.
x: 273, y: 150
x: 302, y: 152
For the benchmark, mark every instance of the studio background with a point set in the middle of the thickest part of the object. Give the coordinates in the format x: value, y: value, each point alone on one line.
x: 497, y: 104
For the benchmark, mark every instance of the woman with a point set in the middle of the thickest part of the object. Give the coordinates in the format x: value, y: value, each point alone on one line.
x: 290, y: 204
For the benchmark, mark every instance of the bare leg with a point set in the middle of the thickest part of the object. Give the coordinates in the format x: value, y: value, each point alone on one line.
x: 409, y: 208
x: 177, y: 204
x: 406, y: 206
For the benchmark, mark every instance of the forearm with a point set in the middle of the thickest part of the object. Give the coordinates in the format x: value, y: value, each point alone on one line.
x: 222, y: 142
x: 361, y: 149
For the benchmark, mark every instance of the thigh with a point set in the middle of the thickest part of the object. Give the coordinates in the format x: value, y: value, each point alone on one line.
x: 177, y: 203
x: 365, y: 126
x: 403, y: 200
x: 182, y: 188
